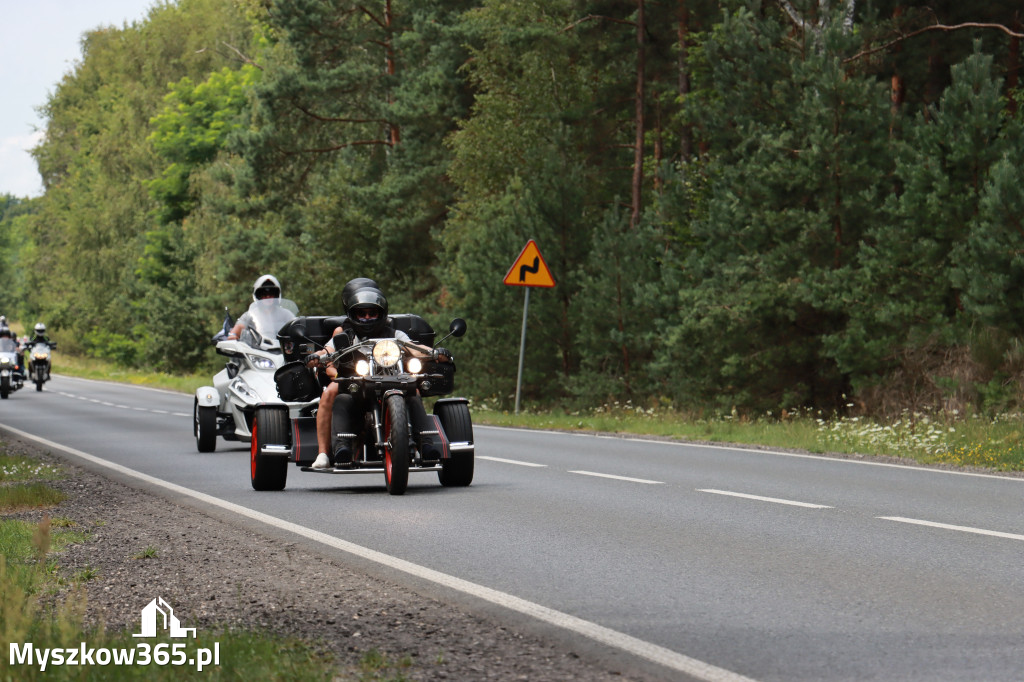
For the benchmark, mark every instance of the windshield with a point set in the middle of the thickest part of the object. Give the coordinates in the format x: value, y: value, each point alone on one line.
x: 270, y: 314
x: 8, y: 346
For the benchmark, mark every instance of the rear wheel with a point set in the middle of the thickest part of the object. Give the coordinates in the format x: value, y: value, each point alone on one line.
x: 457, y: 470
x: 396, y: 451
x: 269, y: 427
x: 204, y: 426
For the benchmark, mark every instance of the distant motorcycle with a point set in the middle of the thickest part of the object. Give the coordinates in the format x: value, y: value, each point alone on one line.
x: 39, y: 362
x: 12, y: 376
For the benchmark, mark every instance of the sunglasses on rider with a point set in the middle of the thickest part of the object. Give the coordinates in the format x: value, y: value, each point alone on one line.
x: 365, y: 314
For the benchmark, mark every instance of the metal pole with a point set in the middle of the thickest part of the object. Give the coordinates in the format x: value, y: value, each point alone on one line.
x: 522, y: 347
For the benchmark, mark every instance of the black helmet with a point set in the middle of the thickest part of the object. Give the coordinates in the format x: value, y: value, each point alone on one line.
x: 369, y: 304
x: 355, y: 285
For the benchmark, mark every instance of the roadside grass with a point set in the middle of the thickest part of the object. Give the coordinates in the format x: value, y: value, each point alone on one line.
x: 39, y: 606
x: 105, y: 370
x: 949, y: 439
x: 28, y: 496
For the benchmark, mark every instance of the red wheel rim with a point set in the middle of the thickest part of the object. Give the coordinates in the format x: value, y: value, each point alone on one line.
x: 252, y: 451
x: 387, y: 445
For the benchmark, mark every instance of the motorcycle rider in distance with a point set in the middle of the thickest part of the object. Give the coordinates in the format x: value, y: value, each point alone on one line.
x: 266, y: 286
x: 39, y: 335
x: 5, y: 333
x: 367, y: 311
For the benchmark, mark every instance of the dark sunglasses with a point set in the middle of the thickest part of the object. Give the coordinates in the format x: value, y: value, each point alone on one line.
x: 267, y: 293
x: 366, y: 314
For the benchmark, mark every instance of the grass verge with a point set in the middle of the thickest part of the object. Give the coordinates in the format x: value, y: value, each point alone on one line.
x: 40, y: 608
x: 995, y: 443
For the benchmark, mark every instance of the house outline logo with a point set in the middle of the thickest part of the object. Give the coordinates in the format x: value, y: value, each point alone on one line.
x: 170, y: 622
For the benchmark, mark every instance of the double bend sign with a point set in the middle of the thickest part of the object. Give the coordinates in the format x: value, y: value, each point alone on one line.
x: 530, y: 270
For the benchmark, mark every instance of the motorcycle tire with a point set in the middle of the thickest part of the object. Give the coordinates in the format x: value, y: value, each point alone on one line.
x: 204, y: 427
x: 269, y: 427
x: 40, y: 378
x: 396, y: 450
x: 457, y: 470
x: 5, y: 387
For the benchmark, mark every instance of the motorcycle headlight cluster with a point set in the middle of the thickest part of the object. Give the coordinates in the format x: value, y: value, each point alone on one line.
x: 362, y: 368
x: 260, y: 362
x: 387, y: 353
x: 5, y: 361
x: 39, y: 356
x: 413, y: 366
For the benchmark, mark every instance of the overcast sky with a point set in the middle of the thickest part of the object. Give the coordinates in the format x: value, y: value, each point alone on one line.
x: 40, y: 41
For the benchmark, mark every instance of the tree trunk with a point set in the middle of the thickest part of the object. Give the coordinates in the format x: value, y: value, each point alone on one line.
x: 683, y: 33
x: 390, y: 50
x: 1013, y: 70
x: 638, y: 152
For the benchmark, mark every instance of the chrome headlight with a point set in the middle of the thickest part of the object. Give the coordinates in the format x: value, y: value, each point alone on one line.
x: 5, y: 361
x: 413, y: 366
x: 260, y: 362
x: 362, y: 368
x: 387, y: 353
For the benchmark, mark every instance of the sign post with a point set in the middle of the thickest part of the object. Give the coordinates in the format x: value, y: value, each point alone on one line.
x: 529, y: 270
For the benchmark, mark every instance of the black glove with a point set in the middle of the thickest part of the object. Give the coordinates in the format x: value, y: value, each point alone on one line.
x: 443, y: 352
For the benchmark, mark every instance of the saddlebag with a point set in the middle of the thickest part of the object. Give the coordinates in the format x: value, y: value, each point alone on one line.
x: 442, y: 378
x: 296, y: 383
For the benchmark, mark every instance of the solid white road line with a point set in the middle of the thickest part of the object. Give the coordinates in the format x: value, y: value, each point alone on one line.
x: 763, y: 499
x: 511, y: 461
x: 618, y: 478
x: 946, y: 526
x: 638, y: 647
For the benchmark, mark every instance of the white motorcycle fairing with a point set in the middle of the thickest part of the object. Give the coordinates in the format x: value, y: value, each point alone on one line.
x: 248, y: 378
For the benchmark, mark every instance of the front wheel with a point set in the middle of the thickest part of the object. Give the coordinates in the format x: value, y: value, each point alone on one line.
x: 269, y: 427
x: 5, y: 387
x: 396, y: 451
x: 204, y: 427
x: 40, y: 377
x: 457, y: 470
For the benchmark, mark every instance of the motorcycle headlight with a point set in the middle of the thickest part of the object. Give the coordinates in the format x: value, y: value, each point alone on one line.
x: 414, y: 366
x: 260, y: 362
x: 362, y: 368
x: 40, y: 356
x: 387, y: 353
x: 5, y: 361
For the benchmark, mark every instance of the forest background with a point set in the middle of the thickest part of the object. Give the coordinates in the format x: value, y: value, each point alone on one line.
x: 747, y: 206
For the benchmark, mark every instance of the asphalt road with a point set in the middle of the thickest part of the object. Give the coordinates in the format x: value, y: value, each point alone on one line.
x: 721, y: 561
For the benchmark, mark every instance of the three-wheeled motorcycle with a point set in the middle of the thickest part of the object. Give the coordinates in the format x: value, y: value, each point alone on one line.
x: 386, y: 377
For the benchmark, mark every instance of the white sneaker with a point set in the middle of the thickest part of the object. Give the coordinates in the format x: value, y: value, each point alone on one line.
x: 322, y: 462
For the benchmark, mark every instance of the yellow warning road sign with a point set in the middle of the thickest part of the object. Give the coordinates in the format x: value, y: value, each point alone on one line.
x: 530, y: 270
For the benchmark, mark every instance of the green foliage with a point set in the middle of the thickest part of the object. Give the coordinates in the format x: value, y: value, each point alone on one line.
x: 797, y: 144
x: 746, y: 216
x: 192, y: 129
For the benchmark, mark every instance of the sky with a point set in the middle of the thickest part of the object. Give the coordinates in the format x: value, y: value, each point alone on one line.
x: 40, y: 41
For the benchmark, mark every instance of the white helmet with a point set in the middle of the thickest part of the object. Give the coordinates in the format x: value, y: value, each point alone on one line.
x: 40, y: 328
x: 266, y: 284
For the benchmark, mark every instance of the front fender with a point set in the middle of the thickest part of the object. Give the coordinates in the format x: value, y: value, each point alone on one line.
x: 207, y: 396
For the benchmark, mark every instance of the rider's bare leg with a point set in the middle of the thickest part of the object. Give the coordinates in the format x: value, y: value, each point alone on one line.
x: 323, y: 417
